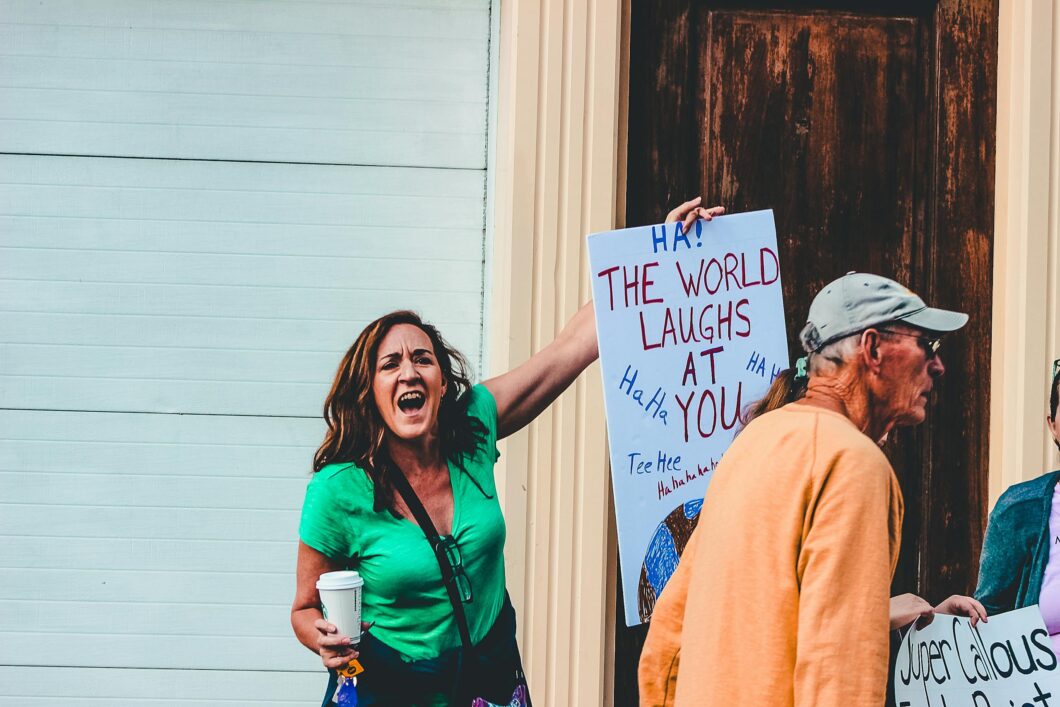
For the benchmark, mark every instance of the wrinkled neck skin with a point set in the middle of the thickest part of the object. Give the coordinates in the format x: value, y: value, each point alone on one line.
x: 847, y: 393
x: 416, y: 457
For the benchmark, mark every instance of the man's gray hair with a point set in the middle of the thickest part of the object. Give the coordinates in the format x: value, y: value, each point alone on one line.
x: 833, y: 356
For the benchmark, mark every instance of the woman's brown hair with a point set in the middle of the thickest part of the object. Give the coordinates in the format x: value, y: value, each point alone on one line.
x: 784, y: 389
x: 356, y: 431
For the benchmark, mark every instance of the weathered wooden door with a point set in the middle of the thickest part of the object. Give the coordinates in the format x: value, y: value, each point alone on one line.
x: 869, y: 129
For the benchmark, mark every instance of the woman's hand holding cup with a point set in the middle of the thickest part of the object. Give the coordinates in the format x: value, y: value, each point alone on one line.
x: 340, y: 600
x: 336, y: 650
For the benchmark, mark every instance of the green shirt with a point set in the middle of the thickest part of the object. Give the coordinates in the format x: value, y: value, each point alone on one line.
x: 403, y: 590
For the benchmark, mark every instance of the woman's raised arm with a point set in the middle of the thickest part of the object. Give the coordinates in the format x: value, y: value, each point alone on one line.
x: 525, y: 391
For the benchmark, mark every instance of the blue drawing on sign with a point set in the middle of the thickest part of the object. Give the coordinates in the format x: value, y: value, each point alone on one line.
x: 692, y: 508
x: 660, y: 561
x: 664, y: 552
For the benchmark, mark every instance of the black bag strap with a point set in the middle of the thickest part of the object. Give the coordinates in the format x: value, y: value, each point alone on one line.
x: 424, y: 520
x: 329, y: 691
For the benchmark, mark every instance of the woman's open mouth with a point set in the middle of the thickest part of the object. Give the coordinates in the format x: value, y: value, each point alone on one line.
x: 412, y: 402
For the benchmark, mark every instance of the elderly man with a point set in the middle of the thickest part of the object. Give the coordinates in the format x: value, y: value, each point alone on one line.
x: 781, y: 596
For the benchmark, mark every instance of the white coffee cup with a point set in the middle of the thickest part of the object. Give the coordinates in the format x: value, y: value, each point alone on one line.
x: 340, y: 597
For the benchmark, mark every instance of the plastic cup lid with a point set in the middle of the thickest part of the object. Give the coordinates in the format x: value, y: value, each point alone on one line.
x: 346, y: 579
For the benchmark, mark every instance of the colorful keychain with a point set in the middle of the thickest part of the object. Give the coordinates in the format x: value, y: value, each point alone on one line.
x: 346, y: 694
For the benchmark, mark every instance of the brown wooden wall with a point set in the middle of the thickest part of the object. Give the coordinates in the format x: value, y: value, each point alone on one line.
x: 869, y: 129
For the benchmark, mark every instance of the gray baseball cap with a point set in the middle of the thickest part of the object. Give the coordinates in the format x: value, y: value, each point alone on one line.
x: 858, y: 301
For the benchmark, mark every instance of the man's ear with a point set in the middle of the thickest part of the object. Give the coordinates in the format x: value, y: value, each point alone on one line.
x: 871, y: 354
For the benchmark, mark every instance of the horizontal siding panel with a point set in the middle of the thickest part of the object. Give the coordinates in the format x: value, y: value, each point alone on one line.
x: 437, y: 242
x: 140, y: 586
x: 448, y: 114
x: 150, y: 522
x: 326, y: 130
x: 88, y: 686
x: 152, y: 438
x: 407, y: 183
x: 366, y: 147
x: 173, y: 491
x: 404, y: 183
x: 37, y: 701
x: 342, y: 307
x: 130, y: 651
x: 152, y: 395
x: 185, y: 364
x: 216, y: 446
x: 44, y: 617
x: 74, y: 41
x: 86, y: 456
x: 237, y: 204
x: 233, y: 270
x: 128, y: 79
x: 64, y: 552
x: 398, y: 20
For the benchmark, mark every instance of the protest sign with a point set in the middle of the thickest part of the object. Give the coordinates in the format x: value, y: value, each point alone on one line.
x: 1007, y: 662
x: 691, y: 330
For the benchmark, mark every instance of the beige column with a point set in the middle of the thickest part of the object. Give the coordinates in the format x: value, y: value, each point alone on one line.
x: 1026, y: 253
x: 556, y: 180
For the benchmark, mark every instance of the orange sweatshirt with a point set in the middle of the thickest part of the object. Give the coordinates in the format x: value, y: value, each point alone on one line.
x: 781, y: 596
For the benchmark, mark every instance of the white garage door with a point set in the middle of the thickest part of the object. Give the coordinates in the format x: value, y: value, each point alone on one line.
x: 201, y: 204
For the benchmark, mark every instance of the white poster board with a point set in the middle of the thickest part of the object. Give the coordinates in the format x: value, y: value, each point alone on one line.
x: 1005, y: 662
x: 691, y: 330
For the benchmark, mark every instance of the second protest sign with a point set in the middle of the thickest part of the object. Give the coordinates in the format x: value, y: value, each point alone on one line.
x: 1004, y: 662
